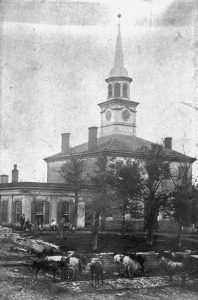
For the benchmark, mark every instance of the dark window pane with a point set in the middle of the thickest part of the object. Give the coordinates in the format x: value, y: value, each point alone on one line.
x: 117, y: 90
x: 125, y: 90
x: 110, y: 90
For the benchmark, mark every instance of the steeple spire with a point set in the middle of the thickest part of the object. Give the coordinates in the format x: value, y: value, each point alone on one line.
x: 118, y: 112
x: 118, y: 68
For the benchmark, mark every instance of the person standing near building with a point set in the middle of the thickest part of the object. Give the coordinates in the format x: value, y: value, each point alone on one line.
x: 22, y: 221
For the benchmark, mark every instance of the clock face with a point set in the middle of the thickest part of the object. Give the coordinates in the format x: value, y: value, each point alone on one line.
x: 108, y: 115
x: 125, y: 115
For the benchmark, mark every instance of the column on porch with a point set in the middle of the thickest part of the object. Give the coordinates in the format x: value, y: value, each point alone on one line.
x: 53, y: 208
x: 81, y: 214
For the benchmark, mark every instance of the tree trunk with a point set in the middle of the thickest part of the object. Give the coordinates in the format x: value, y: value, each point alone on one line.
x: 179, y: 236
x: 145, y: 224
x: 103, y: 219
x: 123, y: 225
x: 75, y: 221
x: 151, y: 226
x: 95, y: 232
x: 150, y: 236
x: 145, y: 228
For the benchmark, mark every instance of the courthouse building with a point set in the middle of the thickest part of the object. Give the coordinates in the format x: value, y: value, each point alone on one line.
x: 116, y: 137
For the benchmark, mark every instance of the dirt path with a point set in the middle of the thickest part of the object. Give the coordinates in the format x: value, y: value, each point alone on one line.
x: 20, y: 284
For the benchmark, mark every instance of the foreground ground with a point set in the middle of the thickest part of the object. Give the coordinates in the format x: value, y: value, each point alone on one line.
x: 18, y: 282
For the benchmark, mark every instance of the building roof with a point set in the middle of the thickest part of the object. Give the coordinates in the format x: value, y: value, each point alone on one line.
x: 26, y: 186
x: 119, y: 145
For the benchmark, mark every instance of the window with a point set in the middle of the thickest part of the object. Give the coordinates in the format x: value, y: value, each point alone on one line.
x: 117, y: 90
x: 166, y: 171
x: 125, y: 90
x: 39, y: 208
x: 18, y: 211
x: 66, y: 211
x: 182, y: 172
x: 110, y: 89
x: 4, y: 210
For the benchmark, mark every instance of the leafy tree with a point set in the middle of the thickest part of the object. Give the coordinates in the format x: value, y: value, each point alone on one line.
x: 154, y: 168
x: 194, y: 216
x: 182, y: 202
x: 72, y: 173
x: 101, y: 196
x: 127, y: 188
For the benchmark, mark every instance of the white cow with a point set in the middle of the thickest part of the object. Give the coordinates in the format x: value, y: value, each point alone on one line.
x: 130, y: 265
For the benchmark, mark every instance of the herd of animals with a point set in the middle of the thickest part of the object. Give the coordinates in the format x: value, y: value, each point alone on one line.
x: 70, y: 264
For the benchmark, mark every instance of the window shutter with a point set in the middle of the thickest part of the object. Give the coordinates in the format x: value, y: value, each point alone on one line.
x: 14, y: 212
x: 71, y: 215
x: 46, y: 219
x: 33, y: 212
x: 20, y: 208
x: 5, y: 211
x: 1, y: 211
x: 59, y: 212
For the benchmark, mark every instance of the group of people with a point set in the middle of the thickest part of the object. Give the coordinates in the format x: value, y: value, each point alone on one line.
x: 63, y: 226
x: 25, y: 224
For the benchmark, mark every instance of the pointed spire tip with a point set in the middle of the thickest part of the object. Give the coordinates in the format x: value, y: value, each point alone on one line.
x: 118, y: 68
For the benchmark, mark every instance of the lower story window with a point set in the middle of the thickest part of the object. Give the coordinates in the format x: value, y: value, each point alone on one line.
x: 40, y: 213
x: 66, y: 211
x: 4, y: 210
x: 40, y: 208
x: 18, y: 211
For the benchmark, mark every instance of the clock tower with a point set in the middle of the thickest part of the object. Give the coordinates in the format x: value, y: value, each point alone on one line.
x: 118, y: 112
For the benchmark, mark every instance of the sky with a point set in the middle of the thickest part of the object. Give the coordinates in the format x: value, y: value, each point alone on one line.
x: 56, y: 55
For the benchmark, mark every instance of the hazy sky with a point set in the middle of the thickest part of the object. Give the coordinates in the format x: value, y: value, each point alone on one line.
x: 56, y: 56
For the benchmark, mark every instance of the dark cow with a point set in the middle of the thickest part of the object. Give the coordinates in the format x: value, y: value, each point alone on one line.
x: 46, y: 266
x: 97, y: 272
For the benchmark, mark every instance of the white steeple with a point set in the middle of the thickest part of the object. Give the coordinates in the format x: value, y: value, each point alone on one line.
x: 118, y: 112
x: 118, y: 68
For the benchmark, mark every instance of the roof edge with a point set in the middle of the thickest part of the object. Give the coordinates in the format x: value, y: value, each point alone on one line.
x: 135, y: 154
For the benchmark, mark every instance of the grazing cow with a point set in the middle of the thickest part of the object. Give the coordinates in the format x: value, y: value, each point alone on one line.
x: 172, y: 267
x: 131, y: 266
x: 140, y: 258
x: 97, y: 272
x: 45, y: 266
x: 131, y: 263
x: 54, y: 264
x: 73, y: 262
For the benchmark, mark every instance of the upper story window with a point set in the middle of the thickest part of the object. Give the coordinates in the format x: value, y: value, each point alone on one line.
x: 125, y: 90
x: 110, y: 90
x: 117, y: 89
